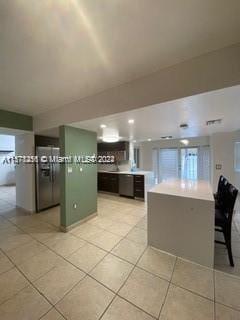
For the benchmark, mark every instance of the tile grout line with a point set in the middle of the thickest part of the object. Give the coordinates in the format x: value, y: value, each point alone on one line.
x: 117, y: 292
x: 30, y: 283
x: 169, y: 284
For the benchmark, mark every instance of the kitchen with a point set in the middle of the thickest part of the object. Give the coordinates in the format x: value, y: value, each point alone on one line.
x: 123, y: 178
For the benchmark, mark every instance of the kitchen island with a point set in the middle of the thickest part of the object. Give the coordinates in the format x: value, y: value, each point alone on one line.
x: 181, y: 220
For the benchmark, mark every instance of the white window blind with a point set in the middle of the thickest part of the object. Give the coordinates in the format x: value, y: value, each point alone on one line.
x: 186, y: 163
x: 189, y: 163
x: 155, y: 165
x: 168, y: 164
x: 237, y: 156
x: 204, y: 163
x: 137, y: 157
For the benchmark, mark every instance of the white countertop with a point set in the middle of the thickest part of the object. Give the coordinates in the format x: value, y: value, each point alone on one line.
x: 189, y: 189
x: 140, y: 172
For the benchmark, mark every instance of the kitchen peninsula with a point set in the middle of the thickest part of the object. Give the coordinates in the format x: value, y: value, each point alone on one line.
x: 181, y: 220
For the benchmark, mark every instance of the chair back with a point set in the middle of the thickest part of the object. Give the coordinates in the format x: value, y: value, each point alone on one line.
x: 221, y: 186
x: 220, y: 180
x: 229, y: 200
x: 222, y: 197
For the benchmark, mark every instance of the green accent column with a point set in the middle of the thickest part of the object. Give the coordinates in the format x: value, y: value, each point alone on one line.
x: 13, y: 120
x: 77, y: 187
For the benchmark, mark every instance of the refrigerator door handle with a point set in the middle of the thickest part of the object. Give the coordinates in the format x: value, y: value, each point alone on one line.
x: 52, y: 177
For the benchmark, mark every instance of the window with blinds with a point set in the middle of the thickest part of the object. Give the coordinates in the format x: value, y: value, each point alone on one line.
x: 185, y: 163
x: 155, y: 165
x: 204, y: 163
x: 137, y: 157
x: 189, y: 163
x: 237, y: 157
x: 168, y: 164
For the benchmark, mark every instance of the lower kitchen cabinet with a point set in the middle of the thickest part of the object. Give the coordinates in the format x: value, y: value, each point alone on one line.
x: 113, y: 183
x: 139, y: 186
x: 108, y: 182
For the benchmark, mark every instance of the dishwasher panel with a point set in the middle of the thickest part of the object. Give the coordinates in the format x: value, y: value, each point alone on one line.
x: 126, y: 185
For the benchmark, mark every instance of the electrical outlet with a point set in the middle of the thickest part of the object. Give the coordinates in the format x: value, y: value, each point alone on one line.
x: 70, y: 169
x: 74, y: 206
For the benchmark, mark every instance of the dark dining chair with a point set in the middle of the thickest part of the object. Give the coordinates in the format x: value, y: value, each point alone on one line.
x: 220, y: 181
x: 219, y: 195
x: 224, y: 214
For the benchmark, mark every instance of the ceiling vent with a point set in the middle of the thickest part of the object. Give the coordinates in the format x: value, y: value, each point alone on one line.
x: 183, y: 126
x: 211, y: 122
x: 167, y: 137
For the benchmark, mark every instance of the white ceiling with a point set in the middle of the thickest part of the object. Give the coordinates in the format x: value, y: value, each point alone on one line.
x: 164, y: 119
x: 54, y: 52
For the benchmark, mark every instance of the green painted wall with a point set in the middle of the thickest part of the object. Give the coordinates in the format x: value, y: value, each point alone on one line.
x: 77, y: 187
x: 15, y: 120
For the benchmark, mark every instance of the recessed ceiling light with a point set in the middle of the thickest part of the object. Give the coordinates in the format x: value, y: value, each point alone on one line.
x: 131, y: 121
x: 102, y: 126
x: 149, y: 139
x: 134, y: 141
x: 184, y: 141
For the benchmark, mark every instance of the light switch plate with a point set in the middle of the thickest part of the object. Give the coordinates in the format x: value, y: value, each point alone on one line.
x: 69, y: 169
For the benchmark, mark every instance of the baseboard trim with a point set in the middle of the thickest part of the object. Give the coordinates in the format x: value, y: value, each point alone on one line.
x: 74, y: 225
x: 27, y: 211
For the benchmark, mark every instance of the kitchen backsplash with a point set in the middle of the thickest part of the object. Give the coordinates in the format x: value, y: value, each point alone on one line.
x: 122, y: 165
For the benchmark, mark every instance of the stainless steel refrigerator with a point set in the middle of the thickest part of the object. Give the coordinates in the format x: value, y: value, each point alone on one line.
x: 47, y: 179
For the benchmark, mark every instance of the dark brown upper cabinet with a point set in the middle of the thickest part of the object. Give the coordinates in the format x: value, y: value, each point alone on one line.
x: 118, y: 149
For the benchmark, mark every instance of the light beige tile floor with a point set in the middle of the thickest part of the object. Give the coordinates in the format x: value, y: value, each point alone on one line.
x: 194, y: 277
x: 87, y: 257
x: 103, y: 269
x: 159, y: 263
x: 112, y: 272
x: 145, y: 291
x: 58, y: 281
x: 53, y: 314
x: 28, y: 304
x: 181, y: 304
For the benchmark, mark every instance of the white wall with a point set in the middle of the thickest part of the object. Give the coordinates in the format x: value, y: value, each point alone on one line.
x: 7, y: 171
x: 222, y: 150
x: 146, y: 148
x: 25, y: 173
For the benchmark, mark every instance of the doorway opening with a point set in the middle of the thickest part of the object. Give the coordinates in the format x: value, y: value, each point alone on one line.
x: 7, y: 172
